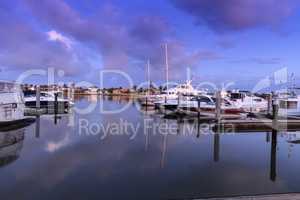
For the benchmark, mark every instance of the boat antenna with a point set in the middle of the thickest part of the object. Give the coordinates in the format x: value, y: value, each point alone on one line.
x: 167, y: 65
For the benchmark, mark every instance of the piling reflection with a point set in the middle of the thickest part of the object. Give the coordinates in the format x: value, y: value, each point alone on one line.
x: 217, y: 147
x: 37, y: 126
x: 270, y: 138
x: 273, y: 170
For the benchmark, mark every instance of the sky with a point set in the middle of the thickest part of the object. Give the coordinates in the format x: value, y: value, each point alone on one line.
x: 240, y: 41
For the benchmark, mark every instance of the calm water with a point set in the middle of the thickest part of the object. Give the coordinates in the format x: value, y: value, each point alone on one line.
x: 64, y: 160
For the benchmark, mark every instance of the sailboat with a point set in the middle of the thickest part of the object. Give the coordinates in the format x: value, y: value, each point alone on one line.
x: 148, y: 100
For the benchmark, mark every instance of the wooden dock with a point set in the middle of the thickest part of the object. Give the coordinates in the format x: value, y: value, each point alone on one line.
x: 237, y: 122
x: 291, y: 196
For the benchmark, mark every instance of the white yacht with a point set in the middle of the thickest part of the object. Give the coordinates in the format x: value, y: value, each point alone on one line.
x: 248, y: 102
x: 169, y: 98
x: 12, y: 103
x: 289, y: 104
x: 47, y: 100
x: 207, y: 103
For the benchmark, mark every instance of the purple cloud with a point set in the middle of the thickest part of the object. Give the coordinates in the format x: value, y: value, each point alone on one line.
x: 121, y: 41
x: 237, y: 15
x: 24, y: 47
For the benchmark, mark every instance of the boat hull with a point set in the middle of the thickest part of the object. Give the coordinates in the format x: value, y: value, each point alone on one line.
x: 48, y: 104
x: 15, y: 124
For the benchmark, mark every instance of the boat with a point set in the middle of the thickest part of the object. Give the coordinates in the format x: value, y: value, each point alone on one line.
x: 47, y: 100
x: 207, y: 103
x: 12, y: 104
x: 247, y: 102
x: 169, y: 98
x: 289, y: 104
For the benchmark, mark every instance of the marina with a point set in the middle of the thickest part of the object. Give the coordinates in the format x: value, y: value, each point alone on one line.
x: 149, y: 100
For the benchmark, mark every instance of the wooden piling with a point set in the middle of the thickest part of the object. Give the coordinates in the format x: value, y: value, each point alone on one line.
x: 275, y: 109
x: 38, y: 97
x: 199, y: 107
x: 269, y: 98
x: 218, y: 106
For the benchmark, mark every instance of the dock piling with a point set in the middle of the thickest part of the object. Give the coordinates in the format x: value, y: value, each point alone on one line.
x: 275, y: 109
x: 199, y: 107
x: 38, y: 97
x: 269, y: 98
x: 218, y: 106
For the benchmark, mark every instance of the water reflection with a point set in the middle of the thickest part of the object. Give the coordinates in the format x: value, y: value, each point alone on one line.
x: 11, y: 144
x: 151, y: 166
x: 273, y: 156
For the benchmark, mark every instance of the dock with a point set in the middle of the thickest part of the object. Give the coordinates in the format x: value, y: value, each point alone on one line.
x: 291, y: 196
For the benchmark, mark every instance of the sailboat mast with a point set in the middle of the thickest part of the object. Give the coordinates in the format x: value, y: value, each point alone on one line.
x: 167, y: 66
x: 148, y: 75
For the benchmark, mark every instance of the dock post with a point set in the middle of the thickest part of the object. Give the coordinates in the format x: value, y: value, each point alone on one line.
x: 199, y: 107
x: 38, y: 97
x: 269, y: 98
x: 218, y: 106
x: 275, y: 107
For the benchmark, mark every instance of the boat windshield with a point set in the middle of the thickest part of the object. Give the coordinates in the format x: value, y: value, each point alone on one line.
x: 236, y: 95
x: 224, y: 101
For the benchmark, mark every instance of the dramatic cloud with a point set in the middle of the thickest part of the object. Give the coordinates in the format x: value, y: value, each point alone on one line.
x: 23, y: 47
x: 122, y: 41
x: 226, y: 15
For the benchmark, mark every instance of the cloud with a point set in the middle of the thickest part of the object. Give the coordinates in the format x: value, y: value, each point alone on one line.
x: 55, y: 36
x: 260, y: 61
x: 237, y: 15
x: 24, y: 47
x: 123, y: 42
x: 52, y: 33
